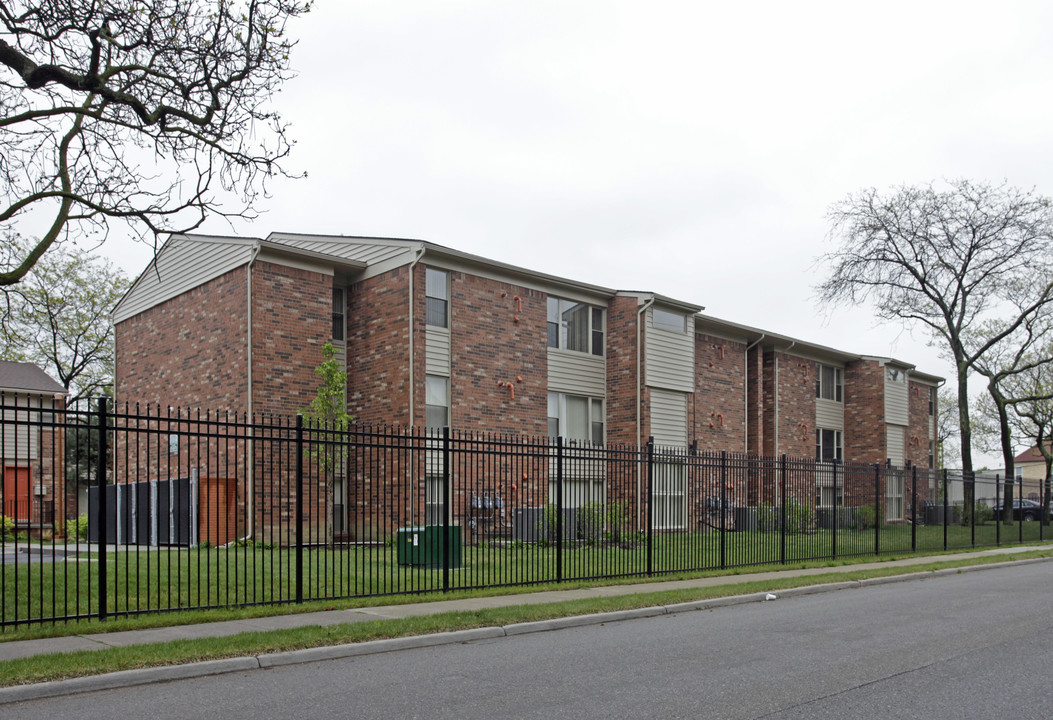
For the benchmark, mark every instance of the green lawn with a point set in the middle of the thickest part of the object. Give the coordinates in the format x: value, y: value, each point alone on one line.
x: 162, y: 579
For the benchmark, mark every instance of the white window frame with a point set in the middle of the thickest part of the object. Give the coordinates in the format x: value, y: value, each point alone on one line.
x: 669, y: 320
x: 837, y: 439
x: 596, y: 321
x: 596, y: 425
x: 436, y: 395
x: 895, y: 374
x: 670, y: 494
x: 339, y: 315
x: 822, y: 391
x: 437, y: 289
x: 894, y: 487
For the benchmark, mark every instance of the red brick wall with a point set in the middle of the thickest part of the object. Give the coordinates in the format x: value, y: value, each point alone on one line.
x: 378, y: 348
x: 756, y: 403
x: 489, y: 346
x: 918, y: 425
x: 864, y: 394
x: 622, y: 378
x: 188, y: 351
x: 719, y: 418
x: 796, y: 406
x: 291, y: 321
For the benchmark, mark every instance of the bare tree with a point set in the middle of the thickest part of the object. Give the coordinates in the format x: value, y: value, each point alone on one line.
x: 1033, y: 418
x: 947, y: 424
x: 947, y: 259
x: 149, y: 113
x: 58, y: 317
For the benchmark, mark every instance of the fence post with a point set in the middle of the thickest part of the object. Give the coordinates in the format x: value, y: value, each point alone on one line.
x: 723, y: 509
x: 972, y: 512
x: 100, y: 475
x: 946, y: 507
x: 559, y: 508
x: 833, y: 505
x: 445, y: 509
x: 782, y: 509
x: 998, y: 503
x: 299, y: 508
x: 650, y: 505
x: 1020, y: 496
x: 877, y: 509
x: 914, y: 509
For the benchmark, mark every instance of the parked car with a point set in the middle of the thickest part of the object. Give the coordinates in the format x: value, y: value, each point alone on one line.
x: 1026, y: 510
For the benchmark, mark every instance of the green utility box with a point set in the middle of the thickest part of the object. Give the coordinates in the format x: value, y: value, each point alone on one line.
x: 424, y: 546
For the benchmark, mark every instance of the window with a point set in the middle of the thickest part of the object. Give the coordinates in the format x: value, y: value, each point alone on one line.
x: 896, y: 375
x: 828, y: 382
x: 575, y: 326
x: 433, y: 488
x: 670, y: 495
x: 338, y: 314
x: 436, y: 402
x: 827, y: 445
x: 578, y: 419
x: 667, y: 320
x: 893, y: 495
x: 932, y: 401
x: 932, y: 453
x: 437, y: 292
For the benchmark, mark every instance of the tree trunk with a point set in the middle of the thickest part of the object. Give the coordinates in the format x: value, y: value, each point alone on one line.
x: 969, y: 485
x: 1007, y: 451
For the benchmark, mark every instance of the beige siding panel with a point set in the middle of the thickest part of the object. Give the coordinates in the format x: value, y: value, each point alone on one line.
x: 897, y: 403
x: 182, y: 265
x: 21, y: 436
x: 437, y: 351
x: 829, y: 414
x: 577, y: 373
x: 896, y: 442
x: 670, y: 357
x: 669, y: 417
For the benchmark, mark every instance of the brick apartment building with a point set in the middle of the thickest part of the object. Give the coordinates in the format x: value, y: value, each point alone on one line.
x: 431, y: 336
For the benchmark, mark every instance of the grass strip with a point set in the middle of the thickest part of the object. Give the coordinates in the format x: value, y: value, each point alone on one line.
x: 94, y: 662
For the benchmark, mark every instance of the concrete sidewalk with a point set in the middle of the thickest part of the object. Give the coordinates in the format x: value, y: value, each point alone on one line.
x: 100, y: 641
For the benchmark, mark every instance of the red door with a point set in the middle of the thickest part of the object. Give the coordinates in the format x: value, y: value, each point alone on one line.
x: 16, y: 493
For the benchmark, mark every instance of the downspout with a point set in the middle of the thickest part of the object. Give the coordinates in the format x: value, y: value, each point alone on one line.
x: 420, y: 254
x: 639, y: 340
x: 250, y: 494
x: 746, y: 392
x: 412, y: 405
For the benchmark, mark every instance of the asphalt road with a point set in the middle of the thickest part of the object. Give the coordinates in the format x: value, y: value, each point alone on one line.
x: 974, y: 645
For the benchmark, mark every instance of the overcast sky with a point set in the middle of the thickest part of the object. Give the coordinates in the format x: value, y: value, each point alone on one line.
x: 687, y: 148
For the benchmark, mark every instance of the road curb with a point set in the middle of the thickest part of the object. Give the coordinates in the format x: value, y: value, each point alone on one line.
x: 334, y: 652
x: 131, y: 678
x: 125, y: 678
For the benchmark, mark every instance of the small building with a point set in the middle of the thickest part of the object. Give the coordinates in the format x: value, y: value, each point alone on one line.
x: 32, y: 449
x: 1030, y: 468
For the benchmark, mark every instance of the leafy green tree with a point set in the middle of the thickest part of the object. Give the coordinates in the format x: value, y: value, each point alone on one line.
x: 58, y: 318
x: 152, y: 114
x: 328, y: 423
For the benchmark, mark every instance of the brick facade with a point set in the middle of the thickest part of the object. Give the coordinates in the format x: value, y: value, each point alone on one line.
x: 488, y: 346
x: 189, y: 351
x: 719, y: 418
x: 864, y: 394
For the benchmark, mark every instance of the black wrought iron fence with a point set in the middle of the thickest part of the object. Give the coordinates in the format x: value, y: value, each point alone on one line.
x: 140, y: 510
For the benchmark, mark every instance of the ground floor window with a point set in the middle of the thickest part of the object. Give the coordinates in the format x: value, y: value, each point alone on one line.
x: 670, y: 495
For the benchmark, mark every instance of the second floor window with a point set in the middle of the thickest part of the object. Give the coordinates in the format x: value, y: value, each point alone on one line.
x: 827, y: 445
x: 575, y: 326
x: 437, y: 402
x: 437, y: 291
x: 338, y: 314
x: 828, y: 381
